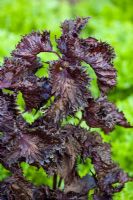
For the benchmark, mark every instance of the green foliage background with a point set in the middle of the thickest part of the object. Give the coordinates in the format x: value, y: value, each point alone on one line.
x: 112, y: 21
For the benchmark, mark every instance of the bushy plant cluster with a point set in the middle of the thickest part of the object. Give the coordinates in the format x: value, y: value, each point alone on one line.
x: 46, y: 142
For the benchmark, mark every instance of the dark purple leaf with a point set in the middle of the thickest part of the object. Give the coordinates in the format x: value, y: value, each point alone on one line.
x: 103, y: 114
x: 7, y: 114
x: 15, y: 71
x: 16, y: 187
x: 32, y: 44
x: 69, y: 86
x: 97, y: 54
x: 107, y: 172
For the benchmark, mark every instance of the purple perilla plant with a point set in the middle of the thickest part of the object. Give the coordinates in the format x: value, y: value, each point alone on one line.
x: 46, y: 143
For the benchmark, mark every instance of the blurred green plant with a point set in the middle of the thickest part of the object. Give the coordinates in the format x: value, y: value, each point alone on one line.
x: 84, y: 167
x: 39, y: 176
x: 36, y: 176
x: 112, y: 22
x: 3, y: 173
